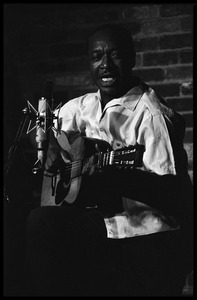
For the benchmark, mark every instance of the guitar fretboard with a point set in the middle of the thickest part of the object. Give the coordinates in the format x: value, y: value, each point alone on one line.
x: 123, y: 157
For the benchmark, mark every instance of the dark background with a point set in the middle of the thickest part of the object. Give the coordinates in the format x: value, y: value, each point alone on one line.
x: 45, y: 43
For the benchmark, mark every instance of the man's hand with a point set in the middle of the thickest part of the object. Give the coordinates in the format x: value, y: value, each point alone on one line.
x: 91, y: 167
x: 56, y: 157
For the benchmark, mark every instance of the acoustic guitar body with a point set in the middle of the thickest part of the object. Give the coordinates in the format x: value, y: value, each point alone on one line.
x: 69, y: 183
x: 65, y: 186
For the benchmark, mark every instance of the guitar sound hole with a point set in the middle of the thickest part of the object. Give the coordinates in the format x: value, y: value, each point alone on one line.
x: 63, y: 187
x: 65, y: 179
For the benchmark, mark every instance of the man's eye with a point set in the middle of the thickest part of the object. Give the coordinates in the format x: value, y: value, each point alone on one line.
x: 115, y: 55
x: 95, y: 57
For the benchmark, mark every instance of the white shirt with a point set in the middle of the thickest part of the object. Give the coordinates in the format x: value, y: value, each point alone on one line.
x: 137, y: 117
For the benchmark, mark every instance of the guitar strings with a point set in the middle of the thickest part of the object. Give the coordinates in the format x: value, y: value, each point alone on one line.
x: 106, y: 158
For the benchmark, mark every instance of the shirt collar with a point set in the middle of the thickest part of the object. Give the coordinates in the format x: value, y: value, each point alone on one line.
x: 129, y: 100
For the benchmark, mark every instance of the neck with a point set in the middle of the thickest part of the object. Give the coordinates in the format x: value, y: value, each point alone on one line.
x: 105, y: 98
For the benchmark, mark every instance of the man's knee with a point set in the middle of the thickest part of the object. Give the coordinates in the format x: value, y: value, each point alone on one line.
x: 37, y: 219
x: 49, y: 219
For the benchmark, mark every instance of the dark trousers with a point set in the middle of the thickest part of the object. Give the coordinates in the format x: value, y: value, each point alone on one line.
x: 69, y: 254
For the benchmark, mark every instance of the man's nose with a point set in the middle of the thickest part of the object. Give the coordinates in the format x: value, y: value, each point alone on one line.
x: 105, y: 61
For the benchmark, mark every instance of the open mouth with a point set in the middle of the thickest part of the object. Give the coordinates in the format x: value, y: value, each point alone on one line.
x: 107, y: 81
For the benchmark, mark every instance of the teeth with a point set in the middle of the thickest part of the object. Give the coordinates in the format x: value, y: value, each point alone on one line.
x: 107, y: 79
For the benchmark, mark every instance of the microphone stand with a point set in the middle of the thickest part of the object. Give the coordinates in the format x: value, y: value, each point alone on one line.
x: 29, y: 113
x: 14, y: 146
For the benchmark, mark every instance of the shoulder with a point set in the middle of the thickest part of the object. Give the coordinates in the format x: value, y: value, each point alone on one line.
x: 155, y: 104
x: 78, y: 102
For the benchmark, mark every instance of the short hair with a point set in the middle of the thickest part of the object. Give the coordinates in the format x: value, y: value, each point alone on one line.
x: 123, y: 34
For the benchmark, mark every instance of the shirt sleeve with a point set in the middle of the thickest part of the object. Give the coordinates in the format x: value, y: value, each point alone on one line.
x: 65, y: 116
x: 158, y: 156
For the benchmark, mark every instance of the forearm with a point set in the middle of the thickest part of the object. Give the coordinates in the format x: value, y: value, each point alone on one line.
x: 170, y: 194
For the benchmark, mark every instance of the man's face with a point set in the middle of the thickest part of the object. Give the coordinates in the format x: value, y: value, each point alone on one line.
x: 110, y: 64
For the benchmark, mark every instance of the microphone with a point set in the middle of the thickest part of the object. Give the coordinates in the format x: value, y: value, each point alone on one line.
x: 41, y: 134
x: 43, y: 123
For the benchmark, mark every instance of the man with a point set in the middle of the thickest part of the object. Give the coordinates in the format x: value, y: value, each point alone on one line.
x: 122, y: 230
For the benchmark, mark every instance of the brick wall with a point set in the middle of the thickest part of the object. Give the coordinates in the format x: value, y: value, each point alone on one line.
x: 46, y: 42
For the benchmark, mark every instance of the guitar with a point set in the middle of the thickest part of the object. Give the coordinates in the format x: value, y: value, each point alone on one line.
x: 65, y: 186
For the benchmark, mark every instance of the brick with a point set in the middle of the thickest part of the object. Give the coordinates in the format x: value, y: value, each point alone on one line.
x: 181, y: 104
x: 160, y: 26
x: 154, y: 11
x: 160, y: 58
x: 166, y: 90
x: 68, y: 50
x: 189, y: 149
x: 179, y: 72
x: 167, y: 10
x: 186, y: 56
x: 187, y: 88
x: 175, y: 41
x: 187, y: 23
x: 146, y: 44
x: 138, y: 60
x: 135, y: 12
x: 133, y: 27
x: 139, y: 12
x: 149, y: 74
x: 188, y: 135
x: 189, y: 119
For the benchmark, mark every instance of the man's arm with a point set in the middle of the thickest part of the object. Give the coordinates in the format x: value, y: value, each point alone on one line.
x: 171, y: 194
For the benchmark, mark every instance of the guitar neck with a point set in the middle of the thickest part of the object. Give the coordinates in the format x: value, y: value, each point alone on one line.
x: 122, y: 158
